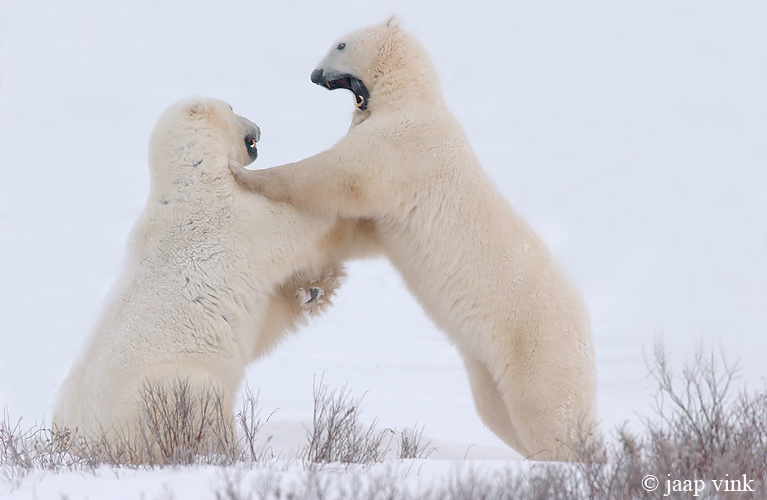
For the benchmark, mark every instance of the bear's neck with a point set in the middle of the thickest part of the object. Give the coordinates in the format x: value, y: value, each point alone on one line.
x: 408, y: 78
x: 192, y: 181
x: 393, y: 94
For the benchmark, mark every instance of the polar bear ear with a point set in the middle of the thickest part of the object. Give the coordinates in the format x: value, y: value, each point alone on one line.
x: 197, y: 108
x: 393, y: 22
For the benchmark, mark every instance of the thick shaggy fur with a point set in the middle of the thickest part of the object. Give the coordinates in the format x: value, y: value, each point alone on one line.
x: 216, y: 276
x: 476, y: 267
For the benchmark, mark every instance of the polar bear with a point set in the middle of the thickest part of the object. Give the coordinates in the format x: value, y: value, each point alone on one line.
x: 216, y: 276
x: 478, y: 270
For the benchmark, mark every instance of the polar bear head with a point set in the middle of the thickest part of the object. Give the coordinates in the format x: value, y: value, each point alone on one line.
x: 196, y: 140
x: 378, y: 64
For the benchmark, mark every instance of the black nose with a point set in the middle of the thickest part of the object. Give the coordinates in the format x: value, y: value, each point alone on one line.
x: 317, y: 76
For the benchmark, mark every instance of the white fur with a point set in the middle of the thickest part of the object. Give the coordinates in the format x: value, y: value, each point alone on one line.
x: 478, y: 270
x: 216, y: 275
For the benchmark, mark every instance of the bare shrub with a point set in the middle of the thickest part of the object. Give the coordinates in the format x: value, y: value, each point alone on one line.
x: 176, y: 425
x: 23, y: 450
x: 180, y: 424
x: 337, y: 435
x: 410, y: 445
x: 701, y: 431
x: 249, y: 421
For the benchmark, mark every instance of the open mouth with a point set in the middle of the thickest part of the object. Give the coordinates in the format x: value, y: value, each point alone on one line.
x: 250, y: 144
x: 355, y: 85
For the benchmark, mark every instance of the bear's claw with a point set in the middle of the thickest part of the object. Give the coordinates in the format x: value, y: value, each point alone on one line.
x: 313, y: 296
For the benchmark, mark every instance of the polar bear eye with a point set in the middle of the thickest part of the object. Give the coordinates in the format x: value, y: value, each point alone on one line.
x: 341, y: 46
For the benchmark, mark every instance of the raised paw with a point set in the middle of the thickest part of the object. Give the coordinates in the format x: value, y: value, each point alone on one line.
x: 312, y: 299
x: 264, y: 182
x: 251, y: 179
x: 314, y: 295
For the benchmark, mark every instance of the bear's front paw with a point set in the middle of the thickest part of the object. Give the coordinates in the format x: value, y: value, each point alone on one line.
x: 314, y: 296
x: 266, y: 182
x: 254, y: 180
x: 311, y: 299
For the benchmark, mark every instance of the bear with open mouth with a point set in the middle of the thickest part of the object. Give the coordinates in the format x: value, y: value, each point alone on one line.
x: 478, y: 270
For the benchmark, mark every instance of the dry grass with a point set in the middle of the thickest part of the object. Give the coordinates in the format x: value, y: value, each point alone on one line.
x: 703, y: 429
x: 249, y: 422
x: 337, y: 435
x: 179, y: 426
x: 410, y: 445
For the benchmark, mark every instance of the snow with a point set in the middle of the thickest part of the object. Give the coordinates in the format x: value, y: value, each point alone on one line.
x: 632, y: 136
x: 205, y: 482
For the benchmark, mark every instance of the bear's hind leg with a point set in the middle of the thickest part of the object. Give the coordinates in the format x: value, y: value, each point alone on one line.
x: 490, y: 404
x: 553, y: 417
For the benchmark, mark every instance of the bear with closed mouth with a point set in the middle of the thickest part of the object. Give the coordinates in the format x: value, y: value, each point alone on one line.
x: 216, y: 276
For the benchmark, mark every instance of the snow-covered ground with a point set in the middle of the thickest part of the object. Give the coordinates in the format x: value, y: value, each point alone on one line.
x: 631, y: 135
